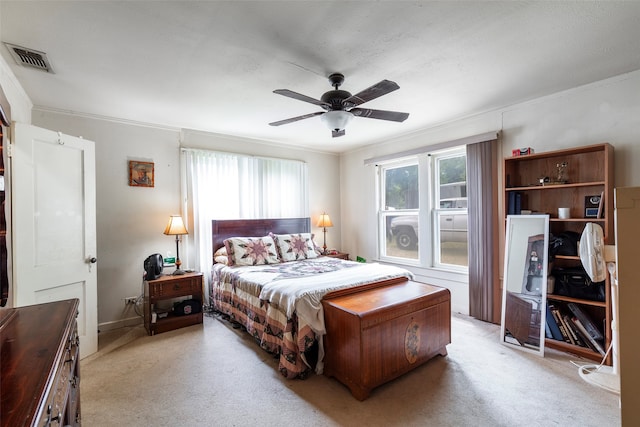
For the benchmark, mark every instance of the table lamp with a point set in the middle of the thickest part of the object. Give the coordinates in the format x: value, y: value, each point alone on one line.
x: 176, y: 227
x: 324, y: 221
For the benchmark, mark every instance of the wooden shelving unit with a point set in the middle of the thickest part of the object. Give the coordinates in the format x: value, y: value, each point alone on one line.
x: 589, y: 171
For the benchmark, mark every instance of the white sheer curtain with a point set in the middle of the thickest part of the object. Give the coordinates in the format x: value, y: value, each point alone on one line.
x: 231, y: 186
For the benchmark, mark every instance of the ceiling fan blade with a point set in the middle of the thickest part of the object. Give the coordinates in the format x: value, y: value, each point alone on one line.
x: 295, y: 119
x: 337, y: 133
x: 393, y: 116
x: 373, y: 92
x: 301, y: 97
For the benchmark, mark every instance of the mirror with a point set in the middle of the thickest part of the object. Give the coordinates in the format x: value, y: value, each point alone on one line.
x: 525, y: 282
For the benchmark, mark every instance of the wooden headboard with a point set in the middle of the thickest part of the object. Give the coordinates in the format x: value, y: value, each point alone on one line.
x: 223, y: 229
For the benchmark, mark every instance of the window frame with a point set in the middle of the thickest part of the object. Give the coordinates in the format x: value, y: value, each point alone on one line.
x: 437, y: 212
x: 384, y: 212
x: 428, y: 210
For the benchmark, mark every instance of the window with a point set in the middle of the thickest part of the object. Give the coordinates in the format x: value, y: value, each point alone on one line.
x: 226, y: 185
x: 450, y: 209
x: 399, y: 210
x: 439, y: 180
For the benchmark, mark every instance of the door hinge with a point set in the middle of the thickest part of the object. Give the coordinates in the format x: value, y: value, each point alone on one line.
x: 10, y: 150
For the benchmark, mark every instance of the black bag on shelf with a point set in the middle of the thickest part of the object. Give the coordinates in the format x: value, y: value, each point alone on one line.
x: 576, y: 283
x: 565, y: 243
x: 188, y: 306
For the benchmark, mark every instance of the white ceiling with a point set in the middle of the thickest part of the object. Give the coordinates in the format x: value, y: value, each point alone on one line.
x: 212, y: 66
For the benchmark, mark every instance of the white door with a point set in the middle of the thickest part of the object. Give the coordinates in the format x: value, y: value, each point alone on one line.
x: 53, y: 200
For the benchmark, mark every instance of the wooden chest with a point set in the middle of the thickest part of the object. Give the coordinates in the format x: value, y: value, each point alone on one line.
x: 381, y: 333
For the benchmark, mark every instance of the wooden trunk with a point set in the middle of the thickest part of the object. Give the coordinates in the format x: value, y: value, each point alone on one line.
x: 378, y: 334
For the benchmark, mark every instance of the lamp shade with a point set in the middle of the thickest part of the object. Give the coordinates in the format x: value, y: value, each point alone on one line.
x: 336, y: 120
x: 324, y: 221
x: 175, y: 226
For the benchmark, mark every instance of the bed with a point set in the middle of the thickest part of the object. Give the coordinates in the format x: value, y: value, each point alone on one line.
x: 280, y: 303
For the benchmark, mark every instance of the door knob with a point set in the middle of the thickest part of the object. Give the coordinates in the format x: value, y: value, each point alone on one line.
x: 91, y: 260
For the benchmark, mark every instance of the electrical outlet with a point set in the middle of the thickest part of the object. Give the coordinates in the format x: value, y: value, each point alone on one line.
x: 130, y: 300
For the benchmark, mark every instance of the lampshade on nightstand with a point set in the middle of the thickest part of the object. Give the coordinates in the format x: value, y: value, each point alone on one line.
x: 324, y: 221
x: 176, y: 227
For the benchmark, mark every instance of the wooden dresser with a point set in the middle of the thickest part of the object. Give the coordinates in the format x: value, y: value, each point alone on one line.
x: 39, y: 367
x: 378, y: 334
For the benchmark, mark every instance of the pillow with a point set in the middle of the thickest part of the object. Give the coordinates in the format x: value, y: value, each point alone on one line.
x: 317, y: 247
x: 251, y: 251
x: 221, y: 256
x: 294, y: 247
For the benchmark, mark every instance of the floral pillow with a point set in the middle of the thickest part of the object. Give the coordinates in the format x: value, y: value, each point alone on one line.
x: 251, y: 251
x: 294, y: 247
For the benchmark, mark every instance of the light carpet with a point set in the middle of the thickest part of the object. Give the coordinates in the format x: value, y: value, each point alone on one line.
x: 215, y: 375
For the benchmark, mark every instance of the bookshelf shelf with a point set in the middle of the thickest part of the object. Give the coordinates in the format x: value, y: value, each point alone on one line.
x: 588, y: 171
x: 556, y: 186
x: 598, y: 220
x: 576, y: 300
x: 573, y: 349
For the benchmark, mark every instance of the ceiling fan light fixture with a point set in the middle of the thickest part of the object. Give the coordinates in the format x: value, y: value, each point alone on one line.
x: 336, y: 120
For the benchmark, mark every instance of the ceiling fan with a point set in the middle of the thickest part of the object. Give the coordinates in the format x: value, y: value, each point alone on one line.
x: 340, y: 106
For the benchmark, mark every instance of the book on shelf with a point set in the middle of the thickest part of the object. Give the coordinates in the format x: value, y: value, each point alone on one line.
x: 558, y: 319
x: 566, y: 328
x: 553, y: 326
x: 514, y: 203
x: 601, y: 206
x: 589, y: 326
x: 593, y: 344
x: 547, y: 331
x: 576, y: 338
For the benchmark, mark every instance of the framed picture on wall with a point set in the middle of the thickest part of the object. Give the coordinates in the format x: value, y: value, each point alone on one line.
x: 141, y: 174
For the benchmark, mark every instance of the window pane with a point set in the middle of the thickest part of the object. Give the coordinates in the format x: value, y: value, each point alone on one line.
x: 401, y: 187
x: 450, y: 210
x: 453, y: 238
x: 402, y: 236
x: 453, y: 182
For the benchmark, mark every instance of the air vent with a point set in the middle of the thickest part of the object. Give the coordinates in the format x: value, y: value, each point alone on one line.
x: 30, y: 57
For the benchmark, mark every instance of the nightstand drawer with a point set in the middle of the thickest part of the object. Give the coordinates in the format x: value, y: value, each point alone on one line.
x: 187, y: 286
x: 175, y: 288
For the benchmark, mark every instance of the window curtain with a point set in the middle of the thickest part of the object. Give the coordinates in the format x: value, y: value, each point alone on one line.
x: 231, y: 186
x: 483, y: 218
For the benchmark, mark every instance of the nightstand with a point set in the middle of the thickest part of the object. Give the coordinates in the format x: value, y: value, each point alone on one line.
x: 167, y: 288
x: 339, y: 255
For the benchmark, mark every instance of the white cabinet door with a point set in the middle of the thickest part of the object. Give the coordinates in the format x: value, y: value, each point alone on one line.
x: 53, y: 200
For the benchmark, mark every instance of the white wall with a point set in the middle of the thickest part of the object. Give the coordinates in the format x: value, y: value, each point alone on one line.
x: 130, y: 220
x: 605, y: 111
x: 18, y: 99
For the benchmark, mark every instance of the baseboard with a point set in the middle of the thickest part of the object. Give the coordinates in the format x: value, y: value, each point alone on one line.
x: 117, y: 324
